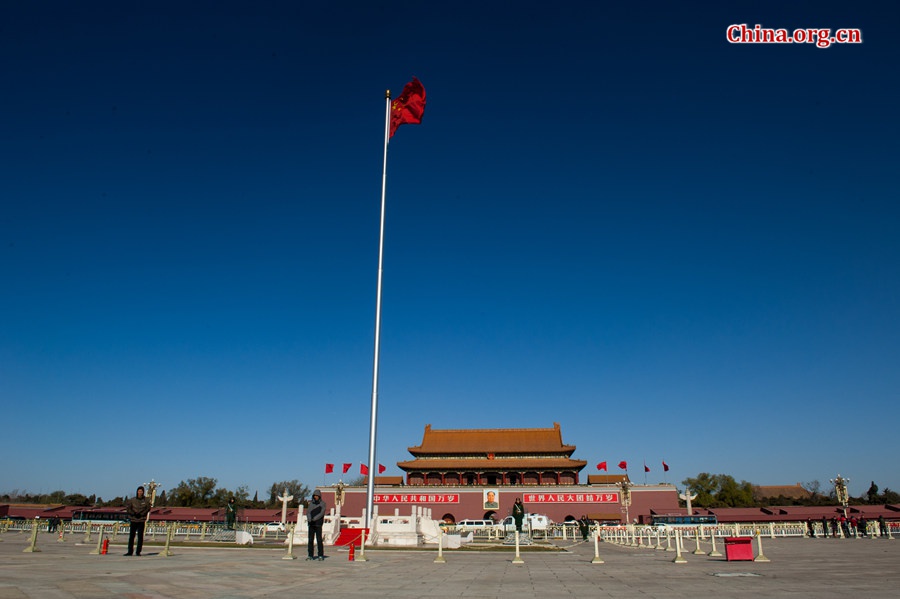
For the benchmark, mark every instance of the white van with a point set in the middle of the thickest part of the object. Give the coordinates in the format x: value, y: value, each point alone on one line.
x: 531, y: 521
x: 475, y: 525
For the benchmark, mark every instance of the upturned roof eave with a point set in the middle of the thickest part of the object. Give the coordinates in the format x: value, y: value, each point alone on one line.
x: 490, y: 465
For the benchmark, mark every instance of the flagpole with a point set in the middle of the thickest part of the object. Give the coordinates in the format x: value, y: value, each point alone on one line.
x: 373, y: 425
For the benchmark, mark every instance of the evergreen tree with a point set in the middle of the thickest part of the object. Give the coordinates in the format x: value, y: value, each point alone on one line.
x: 872, y: 493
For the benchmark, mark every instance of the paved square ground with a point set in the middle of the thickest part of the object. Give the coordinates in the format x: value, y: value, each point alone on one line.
x: 819, y: 568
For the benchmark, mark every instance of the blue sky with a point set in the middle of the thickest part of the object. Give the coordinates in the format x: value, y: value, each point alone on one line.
x: 678, y: 248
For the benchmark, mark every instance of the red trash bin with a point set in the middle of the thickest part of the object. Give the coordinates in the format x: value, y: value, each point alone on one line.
x: 739, y: 549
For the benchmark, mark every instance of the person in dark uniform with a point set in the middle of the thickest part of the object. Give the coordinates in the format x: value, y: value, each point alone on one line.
x: 584, y: 525
x: 230, y: 514
x: 518, y: 513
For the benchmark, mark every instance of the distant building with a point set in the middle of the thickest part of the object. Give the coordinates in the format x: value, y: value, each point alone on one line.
x: 452, y: 472
x: 761, y: 492
x: 492, y: 457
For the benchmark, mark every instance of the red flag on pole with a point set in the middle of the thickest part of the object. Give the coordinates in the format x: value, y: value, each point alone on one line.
x: 329, y: 468
x: 363, y: 469
x: 623, y: 465
x: 602, y: 466
x: 347, y: 467
x: 665, y: 466
x: 646, y: 469
x: 381, y: 469
x: 409, y: 106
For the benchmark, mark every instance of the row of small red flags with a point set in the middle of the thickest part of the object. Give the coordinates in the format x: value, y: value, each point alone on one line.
x: 363, y: 469
x: 624, y: 466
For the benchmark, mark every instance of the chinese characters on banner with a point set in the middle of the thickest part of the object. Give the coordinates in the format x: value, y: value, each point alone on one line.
x: 527, y: 498
x: 418, y: 498
x: 571, y: 498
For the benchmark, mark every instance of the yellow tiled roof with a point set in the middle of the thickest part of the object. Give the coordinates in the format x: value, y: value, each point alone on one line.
x: 607, y: 479
x: 498, y: 465
x: 496, y: 441
x: 789, y: 491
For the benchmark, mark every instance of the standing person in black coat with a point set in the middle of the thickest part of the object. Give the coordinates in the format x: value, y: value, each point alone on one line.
x: 137, y: 508
x: 584, y: 525
x: 315, y: 519
x: 518, y: 513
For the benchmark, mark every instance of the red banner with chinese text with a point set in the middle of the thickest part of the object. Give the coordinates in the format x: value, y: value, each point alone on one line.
x: 417, y: 498
x: 570, y: 498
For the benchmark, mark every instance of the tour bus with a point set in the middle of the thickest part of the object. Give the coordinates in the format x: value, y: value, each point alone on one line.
x: 681, y: 520
x: 99, y: 516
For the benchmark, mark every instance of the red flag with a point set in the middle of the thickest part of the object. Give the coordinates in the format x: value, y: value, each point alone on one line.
x: 602, y: 466
x: 363, y: 469
x: 381, y: 469
x: 347, y: 467
x: 646, y: 469
x: 665, y: 466
x: 409, y: 106
x: 623, y: 465
x: 329, y: 468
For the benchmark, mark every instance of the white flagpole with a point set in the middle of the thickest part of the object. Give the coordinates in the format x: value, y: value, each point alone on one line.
x: 370, y: 486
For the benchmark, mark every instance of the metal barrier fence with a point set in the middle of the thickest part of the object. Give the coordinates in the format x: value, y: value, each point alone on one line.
x: 772, y: 530
x: 189, y: 530
x: 202, y: 531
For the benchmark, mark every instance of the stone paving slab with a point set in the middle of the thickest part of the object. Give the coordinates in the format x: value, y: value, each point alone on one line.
x: 820, y: 568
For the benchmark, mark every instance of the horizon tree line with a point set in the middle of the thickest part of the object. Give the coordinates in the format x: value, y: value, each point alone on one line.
x: 712, y: 490
x: 722, y: 490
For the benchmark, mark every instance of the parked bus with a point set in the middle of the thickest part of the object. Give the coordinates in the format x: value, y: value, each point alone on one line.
x: 681, y: 520
x: 99, y: 516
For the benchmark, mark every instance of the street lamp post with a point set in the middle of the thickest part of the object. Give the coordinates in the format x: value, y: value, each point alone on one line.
x: 626, y: 498
x: 840, y: 490
x: 153, y: 486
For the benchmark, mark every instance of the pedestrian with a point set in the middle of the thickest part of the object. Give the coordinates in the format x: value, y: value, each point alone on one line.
x: 810, y: 530
x: 137, y: 508
x: 845, y: 526
x: 315, y: 519
x: 518, y: 513
x: 834, y: 527
x: 863, y: 526
x: 882, y: 526
x: 854, y: 526
x: 230, y: 514
x: 585, y: 525
x: 824, y: 527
